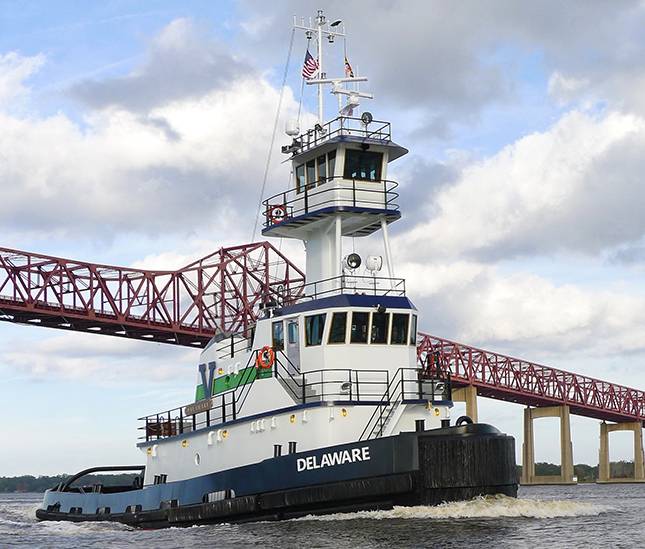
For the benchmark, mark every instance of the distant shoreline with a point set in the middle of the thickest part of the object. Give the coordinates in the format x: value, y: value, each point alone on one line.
x: 30, y: 484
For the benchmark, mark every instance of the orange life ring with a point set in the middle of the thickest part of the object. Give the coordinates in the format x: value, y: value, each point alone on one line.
x: 277, y: 213
x: 265, y: 358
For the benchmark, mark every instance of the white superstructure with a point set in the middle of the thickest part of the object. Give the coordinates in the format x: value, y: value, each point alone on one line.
x: 334, y: 362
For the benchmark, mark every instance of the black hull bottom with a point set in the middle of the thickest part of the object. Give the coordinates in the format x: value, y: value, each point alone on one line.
x: 454, y: 464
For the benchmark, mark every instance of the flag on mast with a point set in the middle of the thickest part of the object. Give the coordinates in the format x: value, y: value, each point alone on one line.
x: 310, y: 67
x: 349, y: 72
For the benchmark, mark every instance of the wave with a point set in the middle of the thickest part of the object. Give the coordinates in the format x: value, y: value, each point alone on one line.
x: 497, y: 506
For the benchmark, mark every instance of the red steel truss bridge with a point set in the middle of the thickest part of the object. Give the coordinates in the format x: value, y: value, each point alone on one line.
x: 221, y: 292
x: 224, y: 292
x: 515, y: 380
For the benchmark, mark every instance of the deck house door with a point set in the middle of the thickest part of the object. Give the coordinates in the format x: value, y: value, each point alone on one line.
x: 293, y: 346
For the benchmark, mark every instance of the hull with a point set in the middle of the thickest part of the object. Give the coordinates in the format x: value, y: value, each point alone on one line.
x: 421, y: 468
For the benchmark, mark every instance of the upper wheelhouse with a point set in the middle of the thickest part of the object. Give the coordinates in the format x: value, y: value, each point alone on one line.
x: 339, y: 168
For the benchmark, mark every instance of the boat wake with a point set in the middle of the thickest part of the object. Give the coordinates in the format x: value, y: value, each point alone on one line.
x: 498, y: 506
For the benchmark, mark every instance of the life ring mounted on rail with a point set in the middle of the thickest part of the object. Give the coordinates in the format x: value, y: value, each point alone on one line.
x: 265, y: 358
x: 277, y: 213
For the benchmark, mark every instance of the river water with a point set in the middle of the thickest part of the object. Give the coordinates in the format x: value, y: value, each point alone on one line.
x: 543, y: 516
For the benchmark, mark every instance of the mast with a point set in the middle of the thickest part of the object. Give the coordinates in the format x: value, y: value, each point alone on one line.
x: 340, y: 169
x: 320, y: 20
x: 321, y: 29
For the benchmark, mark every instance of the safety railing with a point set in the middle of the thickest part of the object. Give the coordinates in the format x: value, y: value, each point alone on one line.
x: 346, y: 284
x: 407, y: 385
x: 210, y: 411
x: 235, y: 343
x: 341, y: 126
x: 336, y: 191
x: 337, y: 384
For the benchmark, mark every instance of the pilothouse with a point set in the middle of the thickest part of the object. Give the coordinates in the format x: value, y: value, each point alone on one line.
x: 324, y: 403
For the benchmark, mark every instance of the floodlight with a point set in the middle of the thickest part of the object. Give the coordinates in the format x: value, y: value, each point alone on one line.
x: 352, y: 261
x: 374, y: 263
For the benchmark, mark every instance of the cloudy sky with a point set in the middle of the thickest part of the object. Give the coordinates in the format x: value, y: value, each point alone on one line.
x: 137, y: 134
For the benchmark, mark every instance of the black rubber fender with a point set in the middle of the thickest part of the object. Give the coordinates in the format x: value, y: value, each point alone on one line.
x: 463, y: 419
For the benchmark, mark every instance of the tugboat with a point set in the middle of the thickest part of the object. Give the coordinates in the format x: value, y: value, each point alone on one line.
x: 323, y: 406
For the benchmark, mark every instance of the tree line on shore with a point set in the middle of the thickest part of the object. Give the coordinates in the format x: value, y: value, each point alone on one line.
x: 28, y: 483
x: 584, y: 472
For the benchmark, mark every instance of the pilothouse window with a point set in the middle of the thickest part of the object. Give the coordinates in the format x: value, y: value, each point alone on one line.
x: 400, y: 328
x: 322, y: 169
x: 278, y: 336
x: 380, y: 325
x: 314, y: 327
x: 300, y: 178
x: 360, y: 322
x: 413, y: 331
x: 311, y: 174
x: 331, y: 163
x: 338, y: 330
x: 364, y: 165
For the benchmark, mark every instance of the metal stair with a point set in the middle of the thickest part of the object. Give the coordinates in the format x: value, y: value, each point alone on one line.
x: 292, y: 386
x: 386, y: 409
x: 385, y: 419
x: 292, y: 383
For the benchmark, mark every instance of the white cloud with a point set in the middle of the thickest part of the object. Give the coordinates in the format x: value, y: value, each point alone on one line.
x: 14, y: 70
x: 564, y: 88
x: 519, y: 311
x: 97, y: 359
x: 576, y: 186
x: 182, y: 61
x: 188, y: 163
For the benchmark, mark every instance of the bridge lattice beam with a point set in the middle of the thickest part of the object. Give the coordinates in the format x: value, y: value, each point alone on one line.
x: 221, y: 292
x: 515, y: 380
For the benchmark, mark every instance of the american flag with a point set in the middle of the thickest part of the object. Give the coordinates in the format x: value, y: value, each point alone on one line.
x: 310, y: 68
x: 349, y: 72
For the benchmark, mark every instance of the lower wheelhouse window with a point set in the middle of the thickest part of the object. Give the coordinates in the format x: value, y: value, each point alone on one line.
x: 278, y: 336
x: 314, y: 327
x: 360, y: 322
x: 413, y: 331
x: 338, y: 330
x: 380, y: 325
x: 400, y: 328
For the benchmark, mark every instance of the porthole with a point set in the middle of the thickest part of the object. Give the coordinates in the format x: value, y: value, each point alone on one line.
x: 197, y: 459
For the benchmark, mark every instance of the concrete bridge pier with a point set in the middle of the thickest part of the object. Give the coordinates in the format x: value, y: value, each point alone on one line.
x: 468, y: 395
x: 604, y: 471
x: 528, y: 447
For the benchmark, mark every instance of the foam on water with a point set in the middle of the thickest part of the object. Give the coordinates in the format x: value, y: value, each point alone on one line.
x: 482, y: 507
x: 21, y: 515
